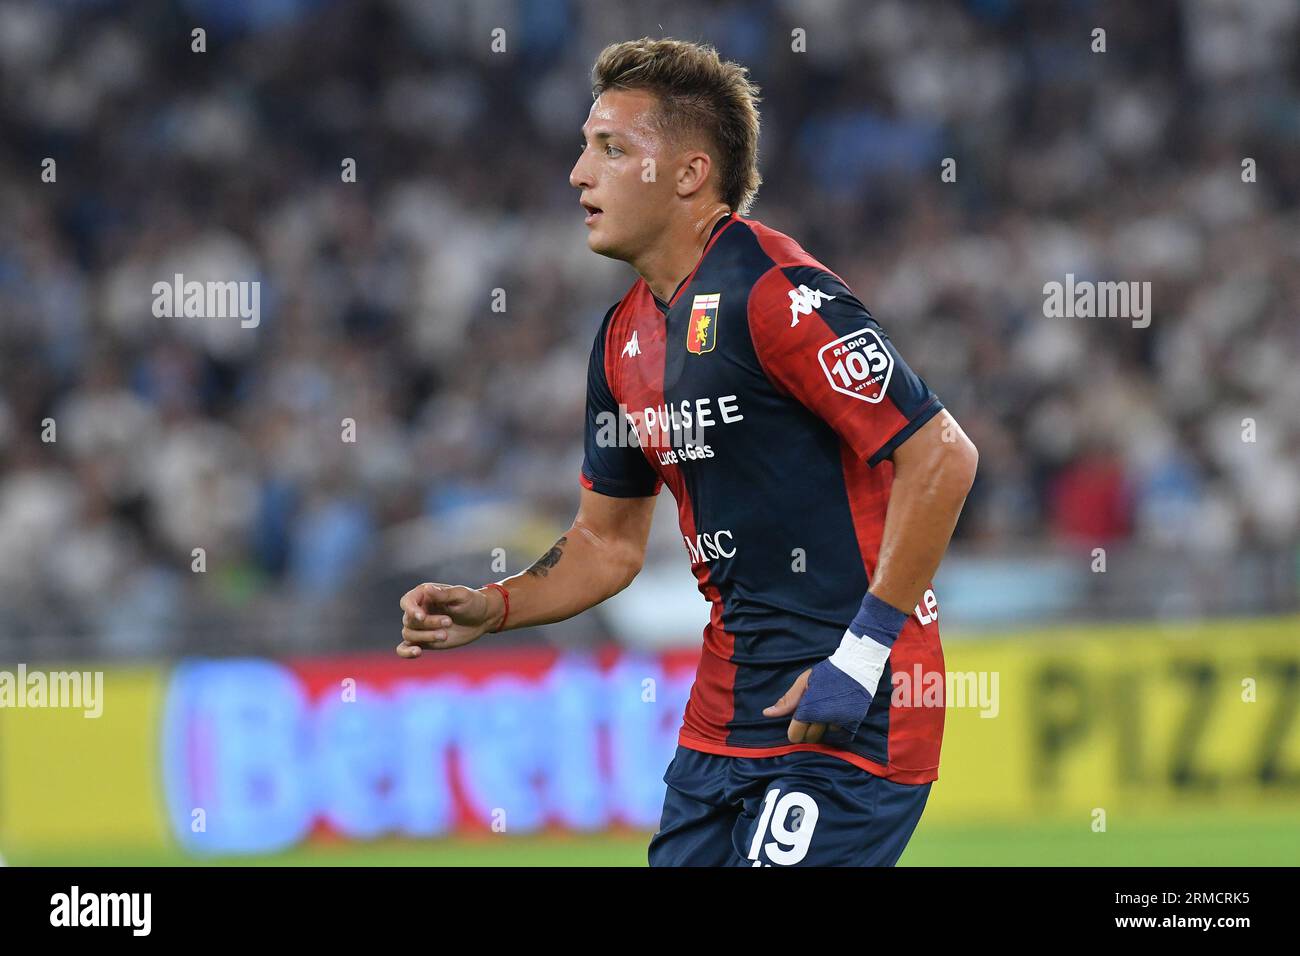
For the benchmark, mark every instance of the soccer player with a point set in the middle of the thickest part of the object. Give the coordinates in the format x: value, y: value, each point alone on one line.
x: 817, y: 478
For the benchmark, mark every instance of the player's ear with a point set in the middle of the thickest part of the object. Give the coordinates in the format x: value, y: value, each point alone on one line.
x: 693, y: 173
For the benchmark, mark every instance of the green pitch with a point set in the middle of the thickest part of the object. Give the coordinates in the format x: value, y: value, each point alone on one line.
x: 1187, y: 841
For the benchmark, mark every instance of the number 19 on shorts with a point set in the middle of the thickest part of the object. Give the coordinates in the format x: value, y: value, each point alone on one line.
x: 789, y: 820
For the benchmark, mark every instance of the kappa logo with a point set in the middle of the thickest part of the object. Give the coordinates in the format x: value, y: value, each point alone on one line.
x: 803, y: 300
x: 702, y: 326
x: 633, y: 348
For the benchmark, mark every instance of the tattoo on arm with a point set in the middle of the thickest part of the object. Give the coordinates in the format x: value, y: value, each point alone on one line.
x: 542, y: 566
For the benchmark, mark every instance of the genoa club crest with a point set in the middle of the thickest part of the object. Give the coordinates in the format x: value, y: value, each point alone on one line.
x: 702, y: 327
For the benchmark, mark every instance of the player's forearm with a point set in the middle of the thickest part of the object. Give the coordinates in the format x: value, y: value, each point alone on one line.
x: 925, y: 501
x: 579, y: 571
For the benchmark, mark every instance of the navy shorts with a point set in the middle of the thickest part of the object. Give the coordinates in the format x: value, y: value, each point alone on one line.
x: 798, y: 809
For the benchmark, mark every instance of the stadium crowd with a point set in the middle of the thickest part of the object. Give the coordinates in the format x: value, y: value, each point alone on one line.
x: 445, y: 301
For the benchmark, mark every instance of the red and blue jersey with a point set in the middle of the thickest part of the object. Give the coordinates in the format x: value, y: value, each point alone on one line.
x: 769, y: 401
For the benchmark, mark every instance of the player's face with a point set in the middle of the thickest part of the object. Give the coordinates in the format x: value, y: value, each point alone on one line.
x: 623, y: 174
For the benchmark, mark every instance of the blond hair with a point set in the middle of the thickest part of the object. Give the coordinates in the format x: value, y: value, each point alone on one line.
x: 699, y: 94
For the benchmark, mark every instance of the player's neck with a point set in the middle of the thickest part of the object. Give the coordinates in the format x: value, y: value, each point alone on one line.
x: 671, y: 260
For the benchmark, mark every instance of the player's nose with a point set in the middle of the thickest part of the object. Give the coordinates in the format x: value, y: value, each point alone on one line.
x: 579, y: 177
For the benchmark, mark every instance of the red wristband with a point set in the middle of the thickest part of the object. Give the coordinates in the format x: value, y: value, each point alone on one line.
x: 505, y: 596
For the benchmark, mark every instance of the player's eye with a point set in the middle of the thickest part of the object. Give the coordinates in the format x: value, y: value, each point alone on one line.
x: 616, y: 150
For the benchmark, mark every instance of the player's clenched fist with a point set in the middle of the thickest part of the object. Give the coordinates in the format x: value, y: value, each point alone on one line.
x: 441, y: 616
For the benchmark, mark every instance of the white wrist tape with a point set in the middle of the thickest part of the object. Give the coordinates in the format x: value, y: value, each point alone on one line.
x: 862, y: 659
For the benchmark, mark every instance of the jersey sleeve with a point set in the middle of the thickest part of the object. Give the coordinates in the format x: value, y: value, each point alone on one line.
x: 612, y: 463
x: 819, y: 344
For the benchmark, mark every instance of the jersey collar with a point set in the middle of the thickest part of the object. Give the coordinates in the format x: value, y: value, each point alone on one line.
x: 721, y: 224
